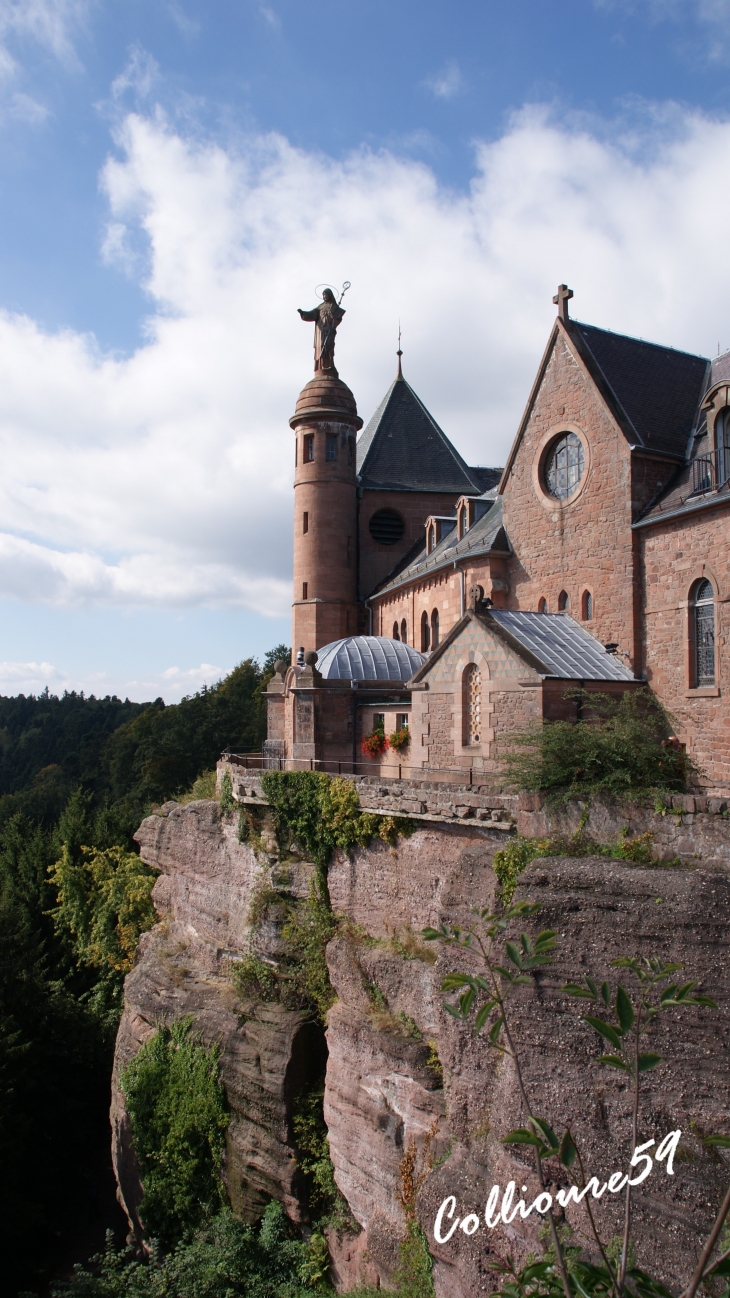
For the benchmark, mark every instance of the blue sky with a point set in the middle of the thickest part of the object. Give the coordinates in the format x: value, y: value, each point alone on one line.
x: 176, y: 179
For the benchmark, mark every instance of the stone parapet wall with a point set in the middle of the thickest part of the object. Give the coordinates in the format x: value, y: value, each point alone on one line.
x: 684, y: 826
x: 424, y: 799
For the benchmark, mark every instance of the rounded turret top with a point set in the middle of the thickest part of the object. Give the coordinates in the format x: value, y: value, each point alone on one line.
x: 328, y: 398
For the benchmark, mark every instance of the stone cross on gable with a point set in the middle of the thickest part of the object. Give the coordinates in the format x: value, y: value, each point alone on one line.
x: 561, y: 300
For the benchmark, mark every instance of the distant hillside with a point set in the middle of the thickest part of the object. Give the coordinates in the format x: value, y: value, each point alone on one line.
x: 123, y: 755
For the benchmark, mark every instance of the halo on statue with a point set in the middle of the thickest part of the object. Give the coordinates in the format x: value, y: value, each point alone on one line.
x: 321, y: 287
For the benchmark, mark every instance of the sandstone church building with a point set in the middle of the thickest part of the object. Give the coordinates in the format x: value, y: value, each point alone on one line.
x: 463, y: 602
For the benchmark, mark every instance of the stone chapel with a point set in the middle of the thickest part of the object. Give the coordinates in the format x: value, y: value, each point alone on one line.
x: 459, y: 602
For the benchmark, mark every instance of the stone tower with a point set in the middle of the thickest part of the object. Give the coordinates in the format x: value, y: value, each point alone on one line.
x: 325, y: 425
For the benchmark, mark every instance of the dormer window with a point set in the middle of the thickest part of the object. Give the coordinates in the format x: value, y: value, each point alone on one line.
x: 430, y: 538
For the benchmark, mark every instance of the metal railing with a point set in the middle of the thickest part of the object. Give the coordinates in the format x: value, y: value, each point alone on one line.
x: 710, y: 471
x: 260, y: 762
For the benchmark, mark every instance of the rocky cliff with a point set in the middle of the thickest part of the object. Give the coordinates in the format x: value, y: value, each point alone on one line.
x: 398, y: 1066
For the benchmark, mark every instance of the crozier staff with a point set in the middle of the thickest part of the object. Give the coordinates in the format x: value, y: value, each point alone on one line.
x: 327, y: 317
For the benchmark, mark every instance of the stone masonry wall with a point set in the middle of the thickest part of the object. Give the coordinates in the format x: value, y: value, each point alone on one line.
x: 690, y: 828
x: 581, y: 544
x: 675, y: 555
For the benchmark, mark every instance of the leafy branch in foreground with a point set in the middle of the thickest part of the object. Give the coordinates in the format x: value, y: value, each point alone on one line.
x: 631, y: 1020
x: 489, y: 994
x: 622, y: 1020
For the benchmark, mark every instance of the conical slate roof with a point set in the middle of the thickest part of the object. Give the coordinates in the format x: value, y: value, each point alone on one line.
x: 403, y: 449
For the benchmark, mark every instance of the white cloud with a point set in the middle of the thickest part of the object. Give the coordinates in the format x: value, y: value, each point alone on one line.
x: 23, y: 108
x: 446, y: 83
x: 188, y: 27
x: 270, y: 16
x: 139, y: 76
x: 172, y: 684
x: 164, y: 479
x: 51, y: 23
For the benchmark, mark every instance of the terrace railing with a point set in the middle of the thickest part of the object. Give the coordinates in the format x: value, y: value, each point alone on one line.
x: 267, y: 761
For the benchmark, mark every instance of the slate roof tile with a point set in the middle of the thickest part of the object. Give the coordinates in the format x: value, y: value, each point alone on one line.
x: 403, y: 449
x: 655, y: 390
x: 487, y: 534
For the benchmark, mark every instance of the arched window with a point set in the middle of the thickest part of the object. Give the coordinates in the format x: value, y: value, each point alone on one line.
x: 722, y: 446
x: 472, y: 710
x: 542, y: 605
x: 586, y: 609
x: 404, y: 631
x: 425, y: 633
x: 703, y: 628
x: 563, y: 602
x: 395, y: 631
x: 435, y: 629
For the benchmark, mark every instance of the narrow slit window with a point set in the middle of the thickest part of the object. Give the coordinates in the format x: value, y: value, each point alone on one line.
x: 305, y: 589
x: 435, y: 629
x: 331, y: 452
x: 587, y: 609
x: 404, y: 631
x: 425, y: 634
x: 309, y: 448
x: 704, y: 633
x: 396, y: 634
x: 305, y: 521
x: 472, y: 704
x: 563, y: 602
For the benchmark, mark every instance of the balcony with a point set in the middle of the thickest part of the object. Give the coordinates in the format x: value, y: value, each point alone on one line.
x: 710, y: 471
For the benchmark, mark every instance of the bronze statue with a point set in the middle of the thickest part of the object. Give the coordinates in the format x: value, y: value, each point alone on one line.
x: 327, y: 316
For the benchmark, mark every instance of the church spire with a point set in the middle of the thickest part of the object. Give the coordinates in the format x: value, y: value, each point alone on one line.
x: 399, y: 353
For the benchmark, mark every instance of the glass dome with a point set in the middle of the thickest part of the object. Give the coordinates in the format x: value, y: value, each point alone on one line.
x: 368, y: 658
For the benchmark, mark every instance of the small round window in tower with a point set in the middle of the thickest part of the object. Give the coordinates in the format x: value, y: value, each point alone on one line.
x: 564, y: 466
x: 386, y: 527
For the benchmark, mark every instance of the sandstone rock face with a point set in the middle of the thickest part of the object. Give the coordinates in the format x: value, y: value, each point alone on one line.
x: 377, y: 1095
x: 400, y: 1068
x: 204, y: 895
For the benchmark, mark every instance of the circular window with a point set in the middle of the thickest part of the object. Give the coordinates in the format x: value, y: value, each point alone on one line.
x: 386, y: 527
x: 564, y: 466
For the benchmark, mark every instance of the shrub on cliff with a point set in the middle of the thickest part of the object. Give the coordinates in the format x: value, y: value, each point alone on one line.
x: 619, y: 748
x: 226, y: 1259
x: 322, y: 812
x: 177, y: 1110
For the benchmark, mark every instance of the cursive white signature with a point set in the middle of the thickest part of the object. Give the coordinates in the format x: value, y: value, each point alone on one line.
x: 494, y: 1216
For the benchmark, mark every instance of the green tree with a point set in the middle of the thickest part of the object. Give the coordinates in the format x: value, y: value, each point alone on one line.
x: 177, y: 1110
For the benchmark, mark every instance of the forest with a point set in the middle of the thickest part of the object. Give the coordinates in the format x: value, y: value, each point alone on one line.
x: 77, y: 775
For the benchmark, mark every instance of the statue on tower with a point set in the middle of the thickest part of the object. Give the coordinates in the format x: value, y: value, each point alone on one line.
x: 327, y: 317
